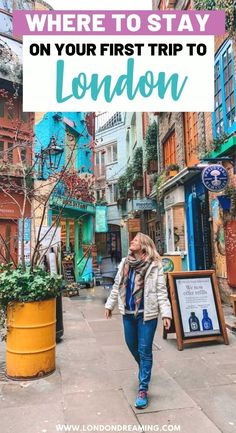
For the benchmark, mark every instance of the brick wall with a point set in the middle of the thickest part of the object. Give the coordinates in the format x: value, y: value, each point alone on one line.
x: 167, y: 123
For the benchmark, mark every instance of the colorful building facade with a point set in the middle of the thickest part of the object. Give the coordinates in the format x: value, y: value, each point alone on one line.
x: 71, y: 206
x: 16, y: 137
x: 190, y: 142
x: 110, y: 163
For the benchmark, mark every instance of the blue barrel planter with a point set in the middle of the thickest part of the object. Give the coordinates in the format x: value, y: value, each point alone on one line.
x: 225, y: 202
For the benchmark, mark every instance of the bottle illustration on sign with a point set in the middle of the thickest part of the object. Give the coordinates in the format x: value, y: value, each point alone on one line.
x: 206, y: 321
x: 194, y: 324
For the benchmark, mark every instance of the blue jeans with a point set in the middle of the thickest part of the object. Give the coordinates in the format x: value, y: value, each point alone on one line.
x: 139, y: 338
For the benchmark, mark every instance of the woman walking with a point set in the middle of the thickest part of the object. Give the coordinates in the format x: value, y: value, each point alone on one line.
x: 140, y: 290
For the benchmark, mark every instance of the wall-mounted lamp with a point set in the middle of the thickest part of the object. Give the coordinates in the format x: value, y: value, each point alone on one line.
x: 51, y: 156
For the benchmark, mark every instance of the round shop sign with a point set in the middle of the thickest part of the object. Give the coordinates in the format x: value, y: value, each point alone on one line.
x: 168, y: 264
x: 215, y: 177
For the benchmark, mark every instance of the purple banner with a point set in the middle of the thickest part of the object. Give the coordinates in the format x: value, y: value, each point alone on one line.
x: 172, y: 22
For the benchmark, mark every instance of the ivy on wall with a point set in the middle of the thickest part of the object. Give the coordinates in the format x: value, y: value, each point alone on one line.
x: 151, y: 143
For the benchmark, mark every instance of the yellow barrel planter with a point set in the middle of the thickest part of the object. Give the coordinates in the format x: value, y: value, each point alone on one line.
x: 31, y: 339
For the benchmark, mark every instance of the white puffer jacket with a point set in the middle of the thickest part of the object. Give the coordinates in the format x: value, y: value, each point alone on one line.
x: 155, y: 293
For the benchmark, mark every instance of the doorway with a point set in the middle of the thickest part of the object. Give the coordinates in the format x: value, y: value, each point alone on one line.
x: 9, y: 241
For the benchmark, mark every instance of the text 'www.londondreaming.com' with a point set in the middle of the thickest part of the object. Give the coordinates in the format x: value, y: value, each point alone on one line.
x: 117, y: 428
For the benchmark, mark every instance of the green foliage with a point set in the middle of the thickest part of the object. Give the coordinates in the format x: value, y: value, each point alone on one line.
x: 217, y: 142
x: 122, y: 186
x: 230, y: 191
x: 229, y: 6
x: 214, y: 146
x: 125, y: 182
x: 151, y: 143
x: 160, y: 181
x: 138, y: 164
x: 29, y: 286
x: 172, y: 167
x: 129, y: 173
x: 35, y: 285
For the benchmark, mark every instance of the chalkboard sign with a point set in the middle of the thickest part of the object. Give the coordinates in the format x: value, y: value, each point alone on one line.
x: 196, y: 306
x: 68, y: 271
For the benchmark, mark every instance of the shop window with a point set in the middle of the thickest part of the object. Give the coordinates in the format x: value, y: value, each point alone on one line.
x: 191, y: 137
x: 169, y: 150
x: 169, y: 230
x: 152, y: 230
x: 174, y: 229
x: 224, y: 116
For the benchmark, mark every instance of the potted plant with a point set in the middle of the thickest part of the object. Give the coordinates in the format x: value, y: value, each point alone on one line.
x: 28, y: 314
x: 138, y: 169
x: 172, y: 170
x: 151, y: 148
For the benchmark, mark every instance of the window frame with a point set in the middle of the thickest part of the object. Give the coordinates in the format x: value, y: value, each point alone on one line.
x: 191, y: 133
x: 112, y: 193
x: 219, y: 59
x: 8, y: 146
x: 168, y: 141
x: 110, y: 148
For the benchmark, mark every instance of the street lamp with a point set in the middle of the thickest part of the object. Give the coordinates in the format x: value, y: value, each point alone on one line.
x: 51, y: 155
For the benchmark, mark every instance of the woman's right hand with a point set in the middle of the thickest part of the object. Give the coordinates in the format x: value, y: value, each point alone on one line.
x: 108, y: 313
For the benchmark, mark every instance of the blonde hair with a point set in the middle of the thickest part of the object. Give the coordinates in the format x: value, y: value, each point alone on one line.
x: 148, y: 247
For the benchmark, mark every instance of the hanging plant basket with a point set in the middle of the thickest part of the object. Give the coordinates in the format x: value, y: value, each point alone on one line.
x: 152, y: 166
x: 225, y: 202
